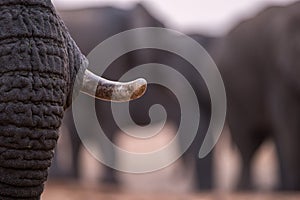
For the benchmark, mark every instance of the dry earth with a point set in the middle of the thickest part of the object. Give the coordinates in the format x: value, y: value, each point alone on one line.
x: 81, y: 192
x: 174, y: 182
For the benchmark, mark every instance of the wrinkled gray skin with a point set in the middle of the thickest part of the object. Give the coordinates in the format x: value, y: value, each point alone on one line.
x: 89, y: 27
x: 38, y: 65
x: 260, y: 64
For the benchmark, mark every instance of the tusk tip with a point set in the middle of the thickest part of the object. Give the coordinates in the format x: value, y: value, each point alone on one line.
x: 141, y: 87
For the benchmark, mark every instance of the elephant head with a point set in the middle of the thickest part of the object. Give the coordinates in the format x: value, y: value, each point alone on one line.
x: 39, y: 63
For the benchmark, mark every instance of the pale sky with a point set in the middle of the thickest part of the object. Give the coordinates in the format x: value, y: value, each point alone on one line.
x: 208, y: 16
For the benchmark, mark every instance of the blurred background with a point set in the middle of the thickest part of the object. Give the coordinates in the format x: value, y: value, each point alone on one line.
x: 215, y: 17
x: 252, y: 156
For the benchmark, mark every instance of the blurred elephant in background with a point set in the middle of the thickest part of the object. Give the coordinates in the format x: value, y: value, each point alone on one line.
x: 203, y: 168
x: 260, y: 64
x: 91, y: 26
x: 156, y: 94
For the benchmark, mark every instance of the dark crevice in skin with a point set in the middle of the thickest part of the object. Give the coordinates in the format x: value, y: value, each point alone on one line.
x: 47, y: 40
x: 36, y: 103
x: 36, y: 37
x: 26, y: 73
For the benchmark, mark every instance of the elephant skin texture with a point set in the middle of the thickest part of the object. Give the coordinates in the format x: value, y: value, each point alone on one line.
x: 39, y: 62
x: 260, y: 64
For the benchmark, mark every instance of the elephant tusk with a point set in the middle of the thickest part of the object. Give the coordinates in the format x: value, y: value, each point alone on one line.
x: 106, y: 90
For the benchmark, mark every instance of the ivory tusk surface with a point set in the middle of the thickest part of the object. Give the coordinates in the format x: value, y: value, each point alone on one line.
x: 106, y: 90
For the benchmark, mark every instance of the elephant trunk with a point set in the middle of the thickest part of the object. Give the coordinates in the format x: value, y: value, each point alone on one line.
x: 40, y: 65
x: 33, y: 82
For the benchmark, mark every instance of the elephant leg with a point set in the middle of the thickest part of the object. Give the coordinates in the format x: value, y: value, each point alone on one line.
x: 203, y: 167
x: 54, y: 170
x: 68, y: 128
x: 110, y: 130
x: 248, y: 151
x: 75, y: 149
x: 247, y: 139
x: 109, y: 174
x: 204, y: 172
x: 285, y: 108
x: 245, y: 182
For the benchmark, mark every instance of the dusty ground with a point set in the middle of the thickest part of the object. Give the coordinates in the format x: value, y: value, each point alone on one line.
x: 82, y: 192
x: 174, y: 182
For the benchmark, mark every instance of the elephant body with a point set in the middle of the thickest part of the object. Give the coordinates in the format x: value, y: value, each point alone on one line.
x: 260, y: 65
x: 38, y: 65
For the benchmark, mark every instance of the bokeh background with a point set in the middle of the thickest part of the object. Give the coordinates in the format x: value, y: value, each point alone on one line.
x: 90, y: 179
x: 215, y: 17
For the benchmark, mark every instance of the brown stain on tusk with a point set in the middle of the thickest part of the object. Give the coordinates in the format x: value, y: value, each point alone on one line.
x: 115, y: 91
x: 105, y: 91
x: 139, y: 92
